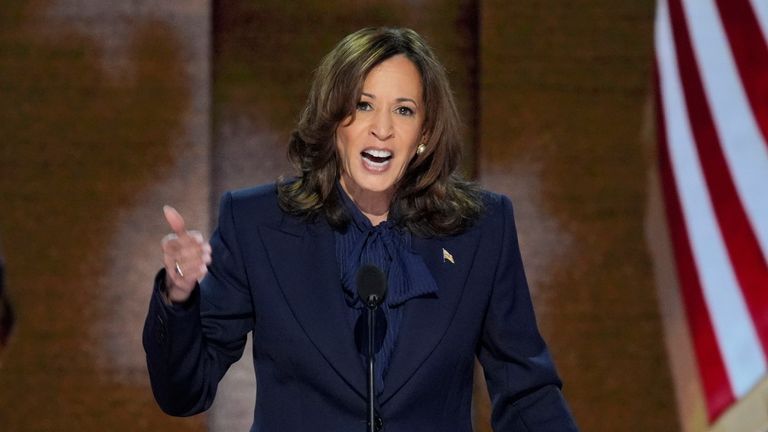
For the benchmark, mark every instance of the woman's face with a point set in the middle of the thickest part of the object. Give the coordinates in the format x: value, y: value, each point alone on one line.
x: 376, y: 144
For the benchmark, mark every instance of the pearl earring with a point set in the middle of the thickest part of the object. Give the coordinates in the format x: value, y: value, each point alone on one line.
x: 420, y: 149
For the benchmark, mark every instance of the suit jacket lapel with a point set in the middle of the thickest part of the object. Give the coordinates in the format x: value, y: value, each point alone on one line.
x: 304, y: 261
x: 303, y: 258
x: 426, y: 319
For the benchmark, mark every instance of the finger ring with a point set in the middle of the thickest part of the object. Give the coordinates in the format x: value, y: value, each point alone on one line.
x: 178, y: 269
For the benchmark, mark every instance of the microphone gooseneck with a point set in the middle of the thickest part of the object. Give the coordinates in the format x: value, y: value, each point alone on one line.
x: 372, y: 288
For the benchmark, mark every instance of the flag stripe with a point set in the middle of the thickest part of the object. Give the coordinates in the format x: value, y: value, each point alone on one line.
x: 743, y: 248
x: 760, y: 7
x: 750, y: 53
x: 742, y: 142
x: 717, y: 389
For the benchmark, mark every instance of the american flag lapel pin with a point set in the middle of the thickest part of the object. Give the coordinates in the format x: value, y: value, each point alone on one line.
x: 447, y: 257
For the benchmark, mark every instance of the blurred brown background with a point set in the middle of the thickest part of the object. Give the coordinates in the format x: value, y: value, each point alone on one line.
x: 110, y: 109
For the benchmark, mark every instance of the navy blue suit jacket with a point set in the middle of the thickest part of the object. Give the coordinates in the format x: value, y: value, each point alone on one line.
x: 276, y: 275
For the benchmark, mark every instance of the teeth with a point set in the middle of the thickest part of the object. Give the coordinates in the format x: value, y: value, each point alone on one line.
x: 379, y: 153
x: 377, y: 164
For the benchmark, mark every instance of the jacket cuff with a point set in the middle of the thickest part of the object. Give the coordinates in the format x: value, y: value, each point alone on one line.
x: 161, y: 291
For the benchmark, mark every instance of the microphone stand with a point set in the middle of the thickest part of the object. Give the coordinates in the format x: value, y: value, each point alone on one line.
x: 371, y: 288
x: 373, y: 303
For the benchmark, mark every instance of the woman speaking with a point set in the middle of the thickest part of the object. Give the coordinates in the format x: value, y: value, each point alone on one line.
x: 376, y: 151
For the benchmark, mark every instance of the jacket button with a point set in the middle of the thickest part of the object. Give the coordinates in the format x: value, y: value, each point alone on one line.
x: 379, y: 423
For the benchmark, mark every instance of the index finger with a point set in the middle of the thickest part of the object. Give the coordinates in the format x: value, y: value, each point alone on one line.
x: 175, y: 221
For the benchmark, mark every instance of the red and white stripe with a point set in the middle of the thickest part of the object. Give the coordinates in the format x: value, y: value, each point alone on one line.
x: 712, y: 106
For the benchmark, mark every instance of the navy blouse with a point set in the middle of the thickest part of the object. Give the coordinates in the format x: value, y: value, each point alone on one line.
x: 387, y: 247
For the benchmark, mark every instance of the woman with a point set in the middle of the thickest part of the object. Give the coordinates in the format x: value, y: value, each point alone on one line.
x: 376, y: 151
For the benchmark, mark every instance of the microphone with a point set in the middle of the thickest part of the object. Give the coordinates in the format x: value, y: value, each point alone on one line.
x: 372, y: 288
x: 371, y: 285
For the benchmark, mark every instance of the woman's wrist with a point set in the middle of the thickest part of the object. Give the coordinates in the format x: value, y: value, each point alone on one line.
x: 171, y: 294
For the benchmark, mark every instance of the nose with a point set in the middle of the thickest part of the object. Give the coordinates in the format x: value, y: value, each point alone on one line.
x: 381, y: 126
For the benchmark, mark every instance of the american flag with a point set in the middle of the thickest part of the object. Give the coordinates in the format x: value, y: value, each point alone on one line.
x: 712, y: 108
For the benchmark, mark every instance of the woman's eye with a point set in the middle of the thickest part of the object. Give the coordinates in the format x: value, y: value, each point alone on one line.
x: 363, y: 106
x: 405, y: 111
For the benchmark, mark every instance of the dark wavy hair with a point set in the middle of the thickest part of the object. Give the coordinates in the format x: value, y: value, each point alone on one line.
x: 431, y: 198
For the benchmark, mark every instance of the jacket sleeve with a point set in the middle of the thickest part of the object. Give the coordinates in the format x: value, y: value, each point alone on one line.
x: 189, y: 347
x: 521, y: 377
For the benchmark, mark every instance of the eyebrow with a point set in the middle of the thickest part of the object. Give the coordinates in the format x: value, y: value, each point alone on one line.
x: 400, y: 99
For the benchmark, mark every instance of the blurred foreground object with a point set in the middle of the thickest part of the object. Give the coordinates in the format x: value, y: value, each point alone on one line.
x: 6, y: 312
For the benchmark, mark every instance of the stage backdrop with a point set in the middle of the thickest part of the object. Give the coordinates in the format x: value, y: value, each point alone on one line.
x: 104, y: 116
x: 111, y: 109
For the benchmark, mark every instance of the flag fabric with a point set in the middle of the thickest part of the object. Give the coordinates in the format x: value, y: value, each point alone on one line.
x: 711, y: 74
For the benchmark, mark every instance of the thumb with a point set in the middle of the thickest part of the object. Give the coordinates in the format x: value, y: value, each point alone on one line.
x: 175, y: 221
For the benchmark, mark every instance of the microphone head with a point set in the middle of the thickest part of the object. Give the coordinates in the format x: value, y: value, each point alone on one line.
x: 371, y: 285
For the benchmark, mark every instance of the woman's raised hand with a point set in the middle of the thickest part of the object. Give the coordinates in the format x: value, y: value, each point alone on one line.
x: 185, y: 256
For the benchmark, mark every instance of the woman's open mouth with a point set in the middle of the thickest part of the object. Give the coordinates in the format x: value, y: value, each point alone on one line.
x: 376, y: 159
